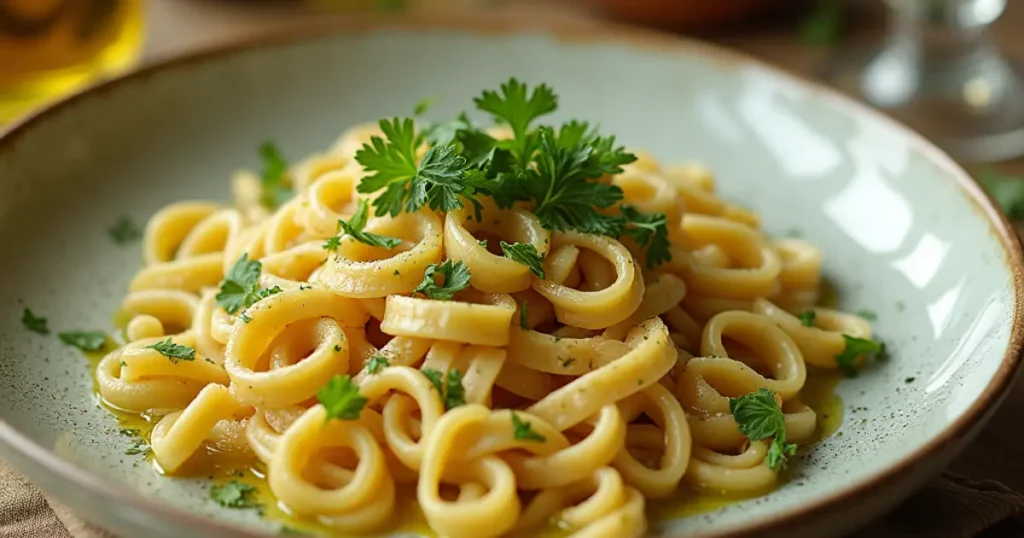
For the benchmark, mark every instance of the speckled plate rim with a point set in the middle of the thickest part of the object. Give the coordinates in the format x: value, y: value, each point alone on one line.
x: 577, y: 31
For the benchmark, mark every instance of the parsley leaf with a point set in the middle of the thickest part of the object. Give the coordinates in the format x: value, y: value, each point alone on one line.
x: 173, y: 351
x: 807, y: 317
x: 240, y: 288
x: 354, y: 228
x: 450, y: 388
x: 558, y: 185
x: 758, y: 417
x: 36, y: 324
x: 855, y: 347
x: 436, y: 181
x: 1007, y: 191
x: 518, y: 110
x: 454, y: 278
x: 234, y: 494
x: 526, y: 254
x: 522, y: 430
x: 332, y: 243
x: 869, y: 315
x: 524, y: 315
x: 125, y: 231
x: 84, y: 340
x: 376, y: 364
x: 272, y: 178
x: 455, y: 392
x: 423, y: 105
x: 341, y: 399
x: 435, y: 378
x: 649, y: 230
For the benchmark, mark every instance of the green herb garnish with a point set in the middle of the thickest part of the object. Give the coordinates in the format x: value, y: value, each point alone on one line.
x: 36, y: 324
x: 454, y: 278
x: 174, y: 351
x: 856, y: 347
x: 807, y: 317
x: 376, y: 364
x: 526, y: 254
x: 125, y: 231
x: 235, y: 494
x: 354, y: 229
x: 274, y: 190
x: 649, y: 230
x: 524, y: 431
x: 524, y: 316
x: 84, y: 340
x: 758, y: 417
x: 240, y: 288
x: 341, y: 399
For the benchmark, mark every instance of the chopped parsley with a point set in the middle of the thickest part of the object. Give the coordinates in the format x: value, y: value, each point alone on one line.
x: 526, y: 254
x: 758, y: 417
x: 450, y: 388
x: 173, y: 351
x: 524, y: 431
x: 84, y: 340
x: 423, y: 105
x: 869, y: 315
x: 34, y: 323
x: 649, y: 230
x: 376, y: 364
x: 854, y: 348
x: 354, y: 229
x: 807, y: 317
x: 524, y: 315
x: 341, y: 399
x: 455, y: 392
x: 235, y: 494
x: 332, y: 243
x: 125, y: 231
x: 566, y: 362
x: 434, y: 377
x: 139, y: 448
x: 240, y: 288
x: 272, y: 179
x: 454, y: 278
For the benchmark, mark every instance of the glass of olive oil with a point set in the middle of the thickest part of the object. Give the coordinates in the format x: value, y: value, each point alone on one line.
x: 51, y: 47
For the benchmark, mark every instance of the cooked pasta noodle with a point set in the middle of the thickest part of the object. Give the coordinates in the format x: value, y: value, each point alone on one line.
x: 585, y: 386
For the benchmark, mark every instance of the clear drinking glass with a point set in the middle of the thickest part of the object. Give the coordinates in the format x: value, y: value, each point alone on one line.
x: 939, y: 72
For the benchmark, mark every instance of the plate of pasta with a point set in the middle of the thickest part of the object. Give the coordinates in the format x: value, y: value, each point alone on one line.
x: 475, y: 278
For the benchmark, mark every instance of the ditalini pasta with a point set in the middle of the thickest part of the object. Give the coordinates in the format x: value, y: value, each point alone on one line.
x: 526, y: 325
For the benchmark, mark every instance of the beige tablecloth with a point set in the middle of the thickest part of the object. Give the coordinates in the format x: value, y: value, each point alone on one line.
x: 979, y: 495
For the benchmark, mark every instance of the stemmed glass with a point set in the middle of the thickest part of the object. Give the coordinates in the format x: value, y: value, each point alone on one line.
x: 939, y: 72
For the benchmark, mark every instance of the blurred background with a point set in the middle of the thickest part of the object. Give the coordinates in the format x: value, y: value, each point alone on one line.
x: 948, y: 68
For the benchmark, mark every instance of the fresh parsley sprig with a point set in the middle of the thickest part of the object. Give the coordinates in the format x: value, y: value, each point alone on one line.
x: 235, y: 494
x: 454, y: 278
x: 354, y: 229
x: 759, y: 416
x: 240, y: 288
x: 341, y: 399
x: 518, y: 107
x: 436, y: 180
x: 526, y: 254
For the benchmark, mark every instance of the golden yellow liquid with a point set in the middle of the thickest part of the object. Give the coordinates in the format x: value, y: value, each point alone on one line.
x: 818, y: 393
x: 51, y: 47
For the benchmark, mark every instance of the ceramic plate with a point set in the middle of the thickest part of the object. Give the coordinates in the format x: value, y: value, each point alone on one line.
x: 904, y: 231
